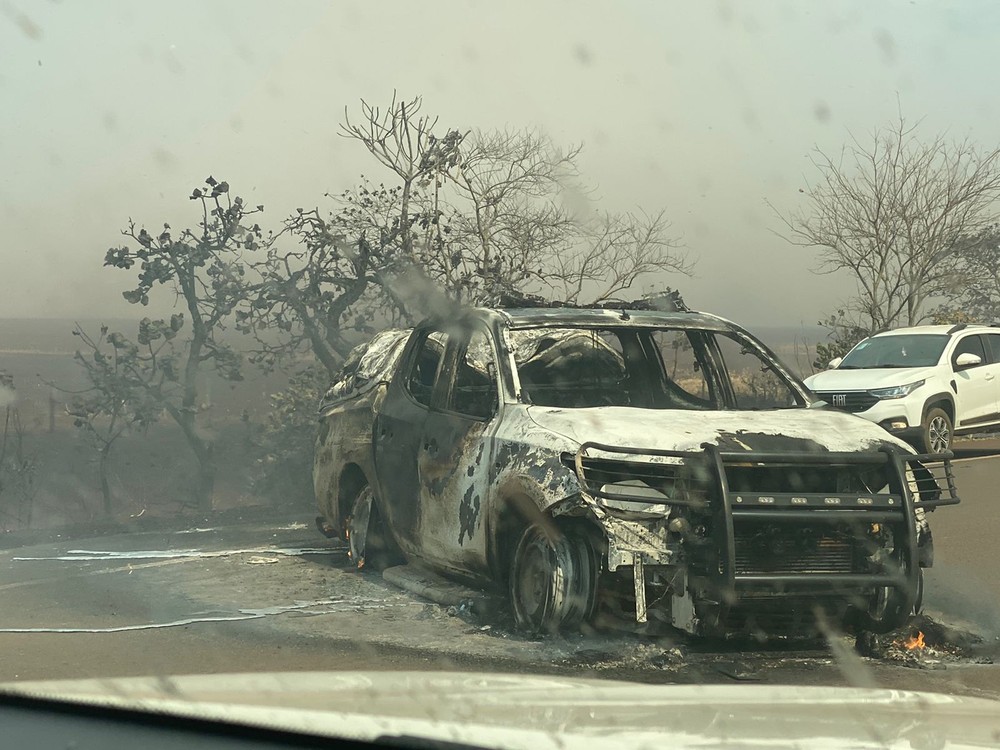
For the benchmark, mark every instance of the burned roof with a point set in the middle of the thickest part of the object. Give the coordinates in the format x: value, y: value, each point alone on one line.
x: 661, y: 309
x: 664, y: 309
x: 587, y: 317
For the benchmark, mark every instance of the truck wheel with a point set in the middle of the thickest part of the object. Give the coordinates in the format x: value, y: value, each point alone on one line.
x: 369, y: 543
x: 553, y: 577
x: 886, y: 610
x: 936, y: 431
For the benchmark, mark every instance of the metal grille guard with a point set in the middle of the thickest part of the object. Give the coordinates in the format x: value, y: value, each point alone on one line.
x: 894, y: 508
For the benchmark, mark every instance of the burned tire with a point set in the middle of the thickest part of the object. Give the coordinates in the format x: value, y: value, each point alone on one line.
x: 369, y: 544
x: 552, y: 580
x: 936, y: 431
x: 888, y: 611
x: 918, y: 603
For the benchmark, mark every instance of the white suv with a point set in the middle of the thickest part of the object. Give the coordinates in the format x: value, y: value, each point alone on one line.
x: 924, y: 384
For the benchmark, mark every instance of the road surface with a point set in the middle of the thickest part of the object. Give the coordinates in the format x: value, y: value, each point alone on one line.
x: 262, y: 594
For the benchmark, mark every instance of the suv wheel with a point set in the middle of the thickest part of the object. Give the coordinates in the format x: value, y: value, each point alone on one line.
x: 553, y: 576
x: 936, y: 431
x: 369, y: 541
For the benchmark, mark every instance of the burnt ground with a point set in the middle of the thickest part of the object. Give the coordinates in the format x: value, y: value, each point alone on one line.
x: 251, y: 591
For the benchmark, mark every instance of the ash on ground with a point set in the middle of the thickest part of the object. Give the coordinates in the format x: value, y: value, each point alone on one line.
x: 927, y: 644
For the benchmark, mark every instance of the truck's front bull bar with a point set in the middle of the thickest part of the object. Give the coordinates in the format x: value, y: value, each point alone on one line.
x: 929, y: 476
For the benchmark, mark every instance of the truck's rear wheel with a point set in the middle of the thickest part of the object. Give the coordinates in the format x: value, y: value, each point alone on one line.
x: 369, y: 543
x: 553, y: 577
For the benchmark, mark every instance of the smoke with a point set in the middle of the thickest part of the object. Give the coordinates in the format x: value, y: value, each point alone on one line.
x: 419, y: 297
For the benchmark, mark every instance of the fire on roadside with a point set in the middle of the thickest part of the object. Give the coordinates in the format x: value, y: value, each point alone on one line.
x: 915, y: 643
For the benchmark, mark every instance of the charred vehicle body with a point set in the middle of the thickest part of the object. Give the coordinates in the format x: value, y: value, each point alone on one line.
x: 661, y: 466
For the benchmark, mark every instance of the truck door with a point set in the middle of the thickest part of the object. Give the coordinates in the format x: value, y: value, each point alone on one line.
x: 455, y: 457
x: 398, y: 434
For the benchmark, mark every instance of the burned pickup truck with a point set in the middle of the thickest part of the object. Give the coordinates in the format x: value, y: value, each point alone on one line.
x: 659, y: 466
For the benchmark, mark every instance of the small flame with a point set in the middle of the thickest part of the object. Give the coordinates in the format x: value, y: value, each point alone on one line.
x: 915, y: 643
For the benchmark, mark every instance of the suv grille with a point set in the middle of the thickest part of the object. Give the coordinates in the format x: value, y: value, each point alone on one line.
x: 852, y: 401
x: 765, y: 549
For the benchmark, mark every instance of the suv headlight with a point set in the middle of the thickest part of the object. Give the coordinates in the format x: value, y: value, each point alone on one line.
x: 897, y: 391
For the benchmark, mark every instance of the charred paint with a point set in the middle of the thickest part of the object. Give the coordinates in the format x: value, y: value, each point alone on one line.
x: 742, y: 440
x: 468, y: 514
x: 366, y: 366
x: 466, y: 470
x: 681, y: 430
x: 525, y: 470
x: 477, y: 461
x: 344, y: 438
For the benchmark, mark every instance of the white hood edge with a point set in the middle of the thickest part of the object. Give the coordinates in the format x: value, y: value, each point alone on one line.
x: 677, y: 430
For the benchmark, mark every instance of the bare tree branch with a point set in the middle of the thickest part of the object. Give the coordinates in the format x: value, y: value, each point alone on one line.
x: 891, y: 212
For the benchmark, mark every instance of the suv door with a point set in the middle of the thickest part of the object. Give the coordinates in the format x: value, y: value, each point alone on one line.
x: 456, y: 455
x: 975, y: 386
x: 993, y: 350
x: 399, y: 430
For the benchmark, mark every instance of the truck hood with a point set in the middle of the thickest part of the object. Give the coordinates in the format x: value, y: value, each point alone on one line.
x: 816, y: 429
x: 534, y: 712
x: 863, y: 380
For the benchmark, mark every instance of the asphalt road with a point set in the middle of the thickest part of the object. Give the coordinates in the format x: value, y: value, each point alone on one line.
x: 266, y: 595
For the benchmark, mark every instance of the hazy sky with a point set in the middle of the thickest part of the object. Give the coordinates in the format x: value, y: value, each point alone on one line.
x: 111, y: 110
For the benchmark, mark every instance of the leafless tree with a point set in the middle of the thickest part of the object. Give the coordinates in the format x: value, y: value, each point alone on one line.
x: 891, y: 212
x: 978, y: 261
x: 401, y: 138
x: 611, y: 255
x: 481, y: 215
x: 505, y: 212
x: 329, y: 273
x: 520, y: 236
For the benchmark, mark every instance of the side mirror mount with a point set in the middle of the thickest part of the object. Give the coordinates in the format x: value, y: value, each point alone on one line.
x: 966, y: 360
x: 835, y: 363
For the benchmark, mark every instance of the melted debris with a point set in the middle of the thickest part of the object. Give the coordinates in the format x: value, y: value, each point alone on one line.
x: 926, y: 644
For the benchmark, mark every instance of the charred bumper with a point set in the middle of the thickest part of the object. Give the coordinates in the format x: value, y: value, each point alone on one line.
x: 741, y: 533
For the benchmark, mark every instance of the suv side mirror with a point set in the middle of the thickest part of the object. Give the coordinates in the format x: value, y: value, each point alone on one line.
x: 835, y: 363
x: 967, y: 359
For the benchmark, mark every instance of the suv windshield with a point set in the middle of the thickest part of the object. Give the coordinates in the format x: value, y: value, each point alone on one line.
x: 904, y: 350
x: 647, y: 368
